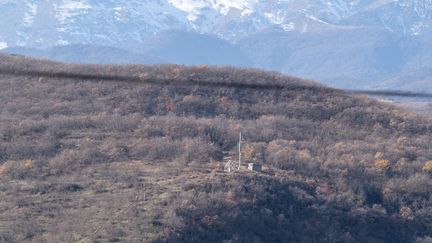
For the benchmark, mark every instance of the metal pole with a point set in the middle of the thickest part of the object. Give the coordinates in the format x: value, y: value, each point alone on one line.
x: 239, y: 163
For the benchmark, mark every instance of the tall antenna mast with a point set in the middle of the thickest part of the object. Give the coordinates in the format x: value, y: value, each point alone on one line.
x: 239, y: 162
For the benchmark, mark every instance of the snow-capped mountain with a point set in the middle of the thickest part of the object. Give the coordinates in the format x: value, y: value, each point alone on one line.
x: 126, y: 23
x: 405, y: 17
x: 345, y: 43
x: 36, y: 23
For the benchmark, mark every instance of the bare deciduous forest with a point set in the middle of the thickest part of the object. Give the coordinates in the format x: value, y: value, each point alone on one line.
x: 104, y: 153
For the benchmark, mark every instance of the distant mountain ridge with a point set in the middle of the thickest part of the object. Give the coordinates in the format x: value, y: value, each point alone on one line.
x: 169, y: 47
x: 123, y: 23
x: 86, y: 54
x: 353, y: 43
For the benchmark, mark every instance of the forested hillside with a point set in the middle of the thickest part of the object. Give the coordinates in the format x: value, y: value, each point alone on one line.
x: 134, y: 153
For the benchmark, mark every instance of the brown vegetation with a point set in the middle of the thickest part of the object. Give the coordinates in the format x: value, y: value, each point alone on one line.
x: 100, y: 153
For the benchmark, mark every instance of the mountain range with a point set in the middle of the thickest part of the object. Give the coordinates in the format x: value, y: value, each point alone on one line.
x: 349, y: 44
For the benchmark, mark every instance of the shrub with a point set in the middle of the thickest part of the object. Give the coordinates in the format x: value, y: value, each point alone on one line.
x: 382, y: 164
x: 156, y: 149
x: 17, y: 169
x: 427, y: 167
x: 197, y: 150
x: 70, y: 160
x: 426, y: 239
x: 67, y: 160
x: 406, y: 213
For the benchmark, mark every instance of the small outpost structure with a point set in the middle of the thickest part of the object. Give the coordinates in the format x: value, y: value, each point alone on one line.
x: 230, y: 166
x: 254, y: 167
x: 233, y: 165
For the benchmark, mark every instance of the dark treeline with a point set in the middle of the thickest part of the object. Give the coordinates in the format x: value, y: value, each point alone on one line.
x: 154, y: 74
x: 340, y: 168
x: 393, y: 93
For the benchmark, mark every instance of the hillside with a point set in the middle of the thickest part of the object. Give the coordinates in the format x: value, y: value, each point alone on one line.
x: 134, y: 153
x: 416, y: 79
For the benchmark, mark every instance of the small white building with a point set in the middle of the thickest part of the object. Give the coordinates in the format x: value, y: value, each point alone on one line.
x: 231, y: 165
x: 254, y: 167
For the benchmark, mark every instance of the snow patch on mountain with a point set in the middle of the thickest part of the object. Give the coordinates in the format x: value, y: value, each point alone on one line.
x: 120, y: 13
x: 222, y: 6
x: 29, y: 16
x: 68, y: 9
x: 193, y: 8
x: 197, y: 8
x: 246, y: 7
x: 3, y: 45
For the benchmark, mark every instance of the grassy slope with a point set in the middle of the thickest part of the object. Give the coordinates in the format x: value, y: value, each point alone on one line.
x: 102, y: 153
